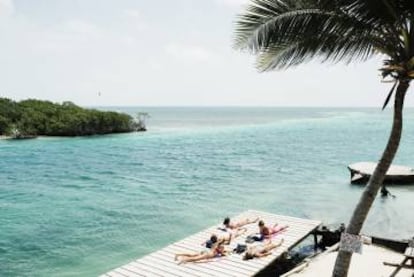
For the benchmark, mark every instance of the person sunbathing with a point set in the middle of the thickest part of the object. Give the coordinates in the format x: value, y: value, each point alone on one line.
x: 235, y: 225
x: 217, y: 250
x: 259, y: 251
x: 224, y: 238
x: 268, y: 232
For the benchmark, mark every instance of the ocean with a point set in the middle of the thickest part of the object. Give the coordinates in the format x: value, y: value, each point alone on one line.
x: 83, y: 206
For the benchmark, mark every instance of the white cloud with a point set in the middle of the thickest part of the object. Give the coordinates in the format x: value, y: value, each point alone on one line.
x: 190, y: 53
x: 232, y: 3
x: 132, y: 13
x: 129, y: 40
x: 155, y: 66
x: 6, y: 7
x: 66, y: 37
x: 80, y: 27
x: 135, y: 19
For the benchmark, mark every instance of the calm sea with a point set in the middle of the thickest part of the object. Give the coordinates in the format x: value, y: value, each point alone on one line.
x: 82, y: 206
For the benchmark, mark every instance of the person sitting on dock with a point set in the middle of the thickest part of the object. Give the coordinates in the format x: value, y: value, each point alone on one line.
x: 268, y: 232
x: 217, y: 250
x: 236, y: 225
x: 225, y: 238
x: 259, y: 251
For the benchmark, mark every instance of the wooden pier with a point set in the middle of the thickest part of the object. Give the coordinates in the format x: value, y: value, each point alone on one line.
x: 397, y: 174
x: 161, y: 263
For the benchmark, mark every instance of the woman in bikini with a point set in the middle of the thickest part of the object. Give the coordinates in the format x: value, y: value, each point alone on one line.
x: 237, y: 225
x: 224, y: 238
x: 259, y: 251
x: 267, y: 232
x: 217, y: 250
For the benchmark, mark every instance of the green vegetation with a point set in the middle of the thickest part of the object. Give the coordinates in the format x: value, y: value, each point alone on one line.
x: 35, y: 117
x: 286, y: 33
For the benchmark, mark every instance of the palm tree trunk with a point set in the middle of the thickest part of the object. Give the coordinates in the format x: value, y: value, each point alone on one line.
x: 361, y: 211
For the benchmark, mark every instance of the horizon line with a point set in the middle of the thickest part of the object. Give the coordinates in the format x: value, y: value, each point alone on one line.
x: 232, y: 106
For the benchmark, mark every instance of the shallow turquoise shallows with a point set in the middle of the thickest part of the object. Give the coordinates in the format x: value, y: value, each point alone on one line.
x: 82, y: 206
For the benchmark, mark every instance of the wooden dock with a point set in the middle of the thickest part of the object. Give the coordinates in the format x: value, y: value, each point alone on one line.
x: 362, y: 171
x: 161, y: 263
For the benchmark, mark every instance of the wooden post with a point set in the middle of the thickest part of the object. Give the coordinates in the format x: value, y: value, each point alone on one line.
x: 315, y: 241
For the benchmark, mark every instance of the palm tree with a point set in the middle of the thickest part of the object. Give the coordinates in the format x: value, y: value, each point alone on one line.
x: 285, y: 33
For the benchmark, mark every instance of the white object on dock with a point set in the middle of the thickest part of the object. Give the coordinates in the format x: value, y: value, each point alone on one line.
x: 161, y: 262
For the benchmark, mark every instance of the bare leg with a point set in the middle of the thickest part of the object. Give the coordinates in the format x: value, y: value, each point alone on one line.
x: 228, y: 239
x: 236, y: 233
x: 276, y: 229
x: 240, y: 232
x: 196, y: 258
x: 242, y: 223
x: 284, y: 227
x: 185, y: 255
x: 246, y: 222
x: 270, y: 246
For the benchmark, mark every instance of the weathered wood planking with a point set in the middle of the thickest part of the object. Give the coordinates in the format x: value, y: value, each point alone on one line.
x: 161, y: 263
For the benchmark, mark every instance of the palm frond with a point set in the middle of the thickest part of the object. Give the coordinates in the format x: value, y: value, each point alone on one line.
x: 328, y: 48
x: 284, y: 33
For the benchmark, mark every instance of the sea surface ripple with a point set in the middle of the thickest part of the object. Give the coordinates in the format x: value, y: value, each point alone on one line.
x: 82, y: 206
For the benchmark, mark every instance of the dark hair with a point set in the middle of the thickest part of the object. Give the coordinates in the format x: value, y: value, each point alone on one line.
x: 213, y: 238
x: 212, y: 241
x: 226, y: 221
x: 261, y: 223
x: 248, y: 256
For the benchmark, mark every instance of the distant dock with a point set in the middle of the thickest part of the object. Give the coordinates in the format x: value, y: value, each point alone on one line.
x: 161, y: 262
x: 362, y: 171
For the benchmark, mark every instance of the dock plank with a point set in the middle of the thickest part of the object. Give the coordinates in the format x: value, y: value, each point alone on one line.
x: 113, y: 273
x: 148, y: 269
x: 126, y: 272
x: 166, y: 261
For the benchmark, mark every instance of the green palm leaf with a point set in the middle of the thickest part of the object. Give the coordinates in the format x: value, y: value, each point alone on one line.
x: 287, y: 33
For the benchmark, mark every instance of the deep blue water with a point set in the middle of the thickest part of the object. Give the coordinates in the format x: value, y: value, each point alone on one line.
x: 82, y: 206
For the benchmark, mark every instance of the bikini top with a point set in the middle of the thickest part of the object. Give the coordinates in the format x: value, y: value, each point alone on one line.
x: 265, y: 231
x: 219, y: 251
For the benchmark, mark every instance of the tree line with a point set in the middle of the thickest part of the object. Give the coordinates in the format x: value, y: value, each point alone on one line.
x: 35, y: 117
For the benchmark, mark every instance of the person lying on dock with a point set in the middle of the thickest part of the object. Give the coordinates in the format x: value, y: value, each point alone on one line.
x: 217, y: 250
x: 236, y: 225
x: 259, y: 251
x: 224, y: 238
x: 268, y: 232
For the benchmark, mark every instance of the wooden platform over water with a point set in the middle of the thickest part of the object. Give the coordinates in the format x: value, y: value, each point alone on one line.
x: 161, y: 263
x: 362, y: 171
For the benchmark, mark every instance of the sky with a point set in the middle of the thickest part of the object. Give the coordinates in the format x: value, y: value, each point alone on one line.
x: 158, y: 53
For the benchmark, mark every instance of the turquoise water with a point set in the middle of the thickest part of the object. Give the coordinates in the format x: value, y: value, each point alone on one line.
x: 82, y: 206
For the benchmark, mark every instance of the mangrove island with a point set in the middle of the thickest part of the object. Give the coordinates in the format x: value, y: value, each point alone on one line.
x: 31, y: 118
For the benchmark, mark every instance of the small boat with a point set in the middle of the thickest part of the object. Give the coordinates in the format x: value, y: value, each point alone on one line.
x: 396, y: 174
